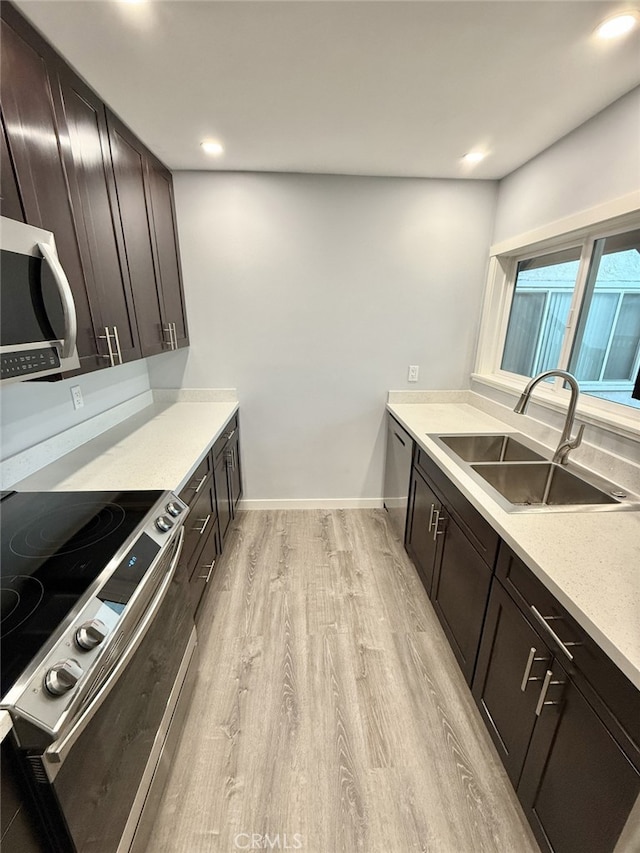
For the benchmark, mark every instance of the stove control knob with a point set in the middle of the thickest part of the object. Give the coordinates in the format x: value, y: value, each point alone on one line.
x: 174, y: 509
x: 163, y: 523
x: 91, y: 634
x: 63, y: 676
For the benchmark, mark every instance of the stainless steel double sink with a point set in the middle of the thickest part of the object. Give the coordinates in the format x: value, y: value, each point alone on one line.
x: 516, y: 473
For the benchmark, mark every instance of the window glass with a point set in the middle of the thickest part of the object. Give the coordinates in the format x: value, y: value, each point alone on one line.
x: 539, y: 311
x: 606, y: 351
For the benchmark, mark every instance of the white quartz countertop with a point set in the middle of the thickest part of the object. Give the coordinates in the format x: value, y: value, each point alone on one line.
x: 157, y: 448
x: 589, y: 560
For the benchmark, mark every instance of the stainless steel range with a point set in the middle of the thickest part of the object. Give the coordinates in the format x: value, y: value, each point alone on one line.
x: 97, y: 646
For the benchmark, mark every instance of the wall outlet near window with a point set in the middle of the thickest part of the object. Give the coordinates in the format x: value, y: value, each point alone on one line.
x: 414, y: 369
x: 76, y: 396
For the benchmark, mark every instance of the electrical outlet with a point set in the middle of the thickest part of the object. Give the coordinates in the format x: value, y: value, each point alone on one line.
x: 413, y: 373
x: 76, y: 396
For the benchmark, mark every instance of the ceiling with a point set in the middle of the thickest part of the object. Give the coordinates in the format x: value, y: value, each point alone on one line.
x: 374, y: 88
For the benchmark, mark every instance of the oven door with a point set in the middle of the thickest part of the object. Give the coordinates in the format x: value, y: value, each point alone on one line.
x: 98, y: 774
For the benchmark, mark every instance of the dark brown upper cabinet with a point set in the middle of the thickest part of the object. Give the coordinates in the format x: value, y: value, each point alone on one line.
x: 72, y: 167
x: 167, y: 251
x: 35, y: 141
x: 10, y: 204
x: 97, y: 219
x: 145, y: 203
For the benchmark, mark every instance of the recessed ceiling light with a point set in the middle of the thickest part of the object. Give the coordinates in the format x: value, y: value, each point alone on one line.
x: 210, y: 146
x: 473, y: 157
x: 617, y: 26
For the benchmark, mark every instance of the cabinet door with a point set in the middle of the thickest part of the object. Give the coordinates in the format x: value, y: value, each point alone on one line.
x: 224, y: 499
x: 35, y: 140
x: 459, y: 595
x: 422, y: 543
x: 577, y: 786
x: 10, y: 205
x: 129, y: 165
x: 512, y: 657
x: 233, y: 467
x: 97, y: 217
x: 167, y: 252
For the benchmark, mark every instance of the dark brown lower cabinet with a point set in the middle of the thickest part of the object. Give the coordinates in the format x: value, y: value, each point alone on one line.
x: 577, y: 785
x: 422, y: 543
x: 460, y: 592
x: 512, y: 663
x: 575, y: 767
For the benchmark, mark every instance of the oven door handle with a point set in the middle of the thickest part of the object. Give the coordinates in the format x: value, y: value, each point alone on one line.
x: 56, y: 754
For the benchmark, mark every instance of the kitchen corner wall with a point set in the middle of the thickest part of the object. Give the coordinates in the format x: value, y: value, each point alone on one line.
x: 311, y: 294
x: 596, y: 163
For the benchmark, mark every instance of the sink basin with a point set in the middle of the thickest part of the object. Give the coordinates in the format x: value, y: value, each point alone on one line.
x: 545, y: 484
x: 490, y: 448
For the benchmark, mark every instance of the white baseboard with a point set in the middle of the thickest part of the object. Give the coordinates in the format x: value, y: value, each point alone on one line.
x: 314, y: 503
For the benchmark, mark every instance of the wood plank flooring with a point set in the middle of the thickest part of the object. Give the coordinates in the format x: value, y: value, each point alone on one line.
x: 330, y: 715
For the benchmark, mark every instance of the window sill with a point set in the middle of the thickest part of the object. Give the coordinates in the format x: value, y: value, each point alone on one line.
x: 595, y: 412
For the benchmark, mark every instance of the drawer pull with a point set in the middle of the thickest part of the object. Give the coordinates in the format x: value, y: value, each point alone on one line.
x: 199, y: 486
x: 544, y: 622
x: 204, y: 522
x: 206, y: 578
x: 433, y: 506
x: 231, y: 434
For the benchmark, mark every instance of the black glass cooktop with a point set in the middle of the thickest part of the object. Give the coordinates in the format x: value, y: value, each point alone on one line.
x: 53, y: 545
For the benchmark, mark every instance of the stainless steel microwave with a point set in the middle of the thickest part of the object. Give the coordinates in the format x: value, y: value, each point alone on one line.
x: 38, y: 326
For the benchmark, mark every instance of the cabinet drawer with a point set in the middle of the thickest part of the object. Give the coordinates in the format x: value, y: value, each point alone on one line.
x: 226, y: 435
x: 204, y: 567
x: 197, y: 481
x: 200, y: 520
x: 589, y: 660
x: 479, y: 532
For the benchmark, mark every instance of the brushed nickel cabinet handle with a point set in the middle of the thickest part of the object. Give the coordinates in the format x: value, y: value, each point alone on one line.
x: 527, y: 669
x: 175, y: 336
x: 526, y: 678
x: 199, y: 486
x: 107, y: 337
x: 231, y: 434
x: 166, y: 330
x: 204, y: 522
x: 544, y: 623
x: 433, y: 506
x: 117, y: 339
x: 206, y: 578
x: 436, y: 528
x: 543, y: 693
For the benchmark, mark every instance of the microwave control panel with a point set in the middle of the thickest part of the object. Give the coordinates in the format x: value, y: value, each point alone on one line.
x: 22, y: 363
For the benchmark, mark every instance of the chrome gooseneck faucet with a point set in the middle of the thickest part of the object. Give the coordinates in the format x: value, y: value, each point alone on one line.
x: 566, y: 442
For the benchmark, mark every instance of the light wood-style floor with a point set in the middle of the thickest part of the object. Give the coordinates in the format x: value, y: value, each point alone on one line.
x: 329, y: 707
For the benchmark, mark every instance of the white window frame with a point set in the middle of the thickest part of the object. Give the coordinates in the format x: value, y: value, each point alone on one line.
x: 580, y: 230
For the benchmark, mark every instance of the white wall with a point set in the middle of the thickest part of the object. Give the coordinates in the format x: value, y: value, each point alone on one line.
x: 596, y: 163
x: 31, y: 412
x: 311, y: 295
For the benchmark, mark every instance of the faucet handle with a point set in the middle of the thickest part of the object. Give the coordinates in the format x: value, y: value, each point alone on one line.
x: 577, y: 441
x: 562, y: 453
